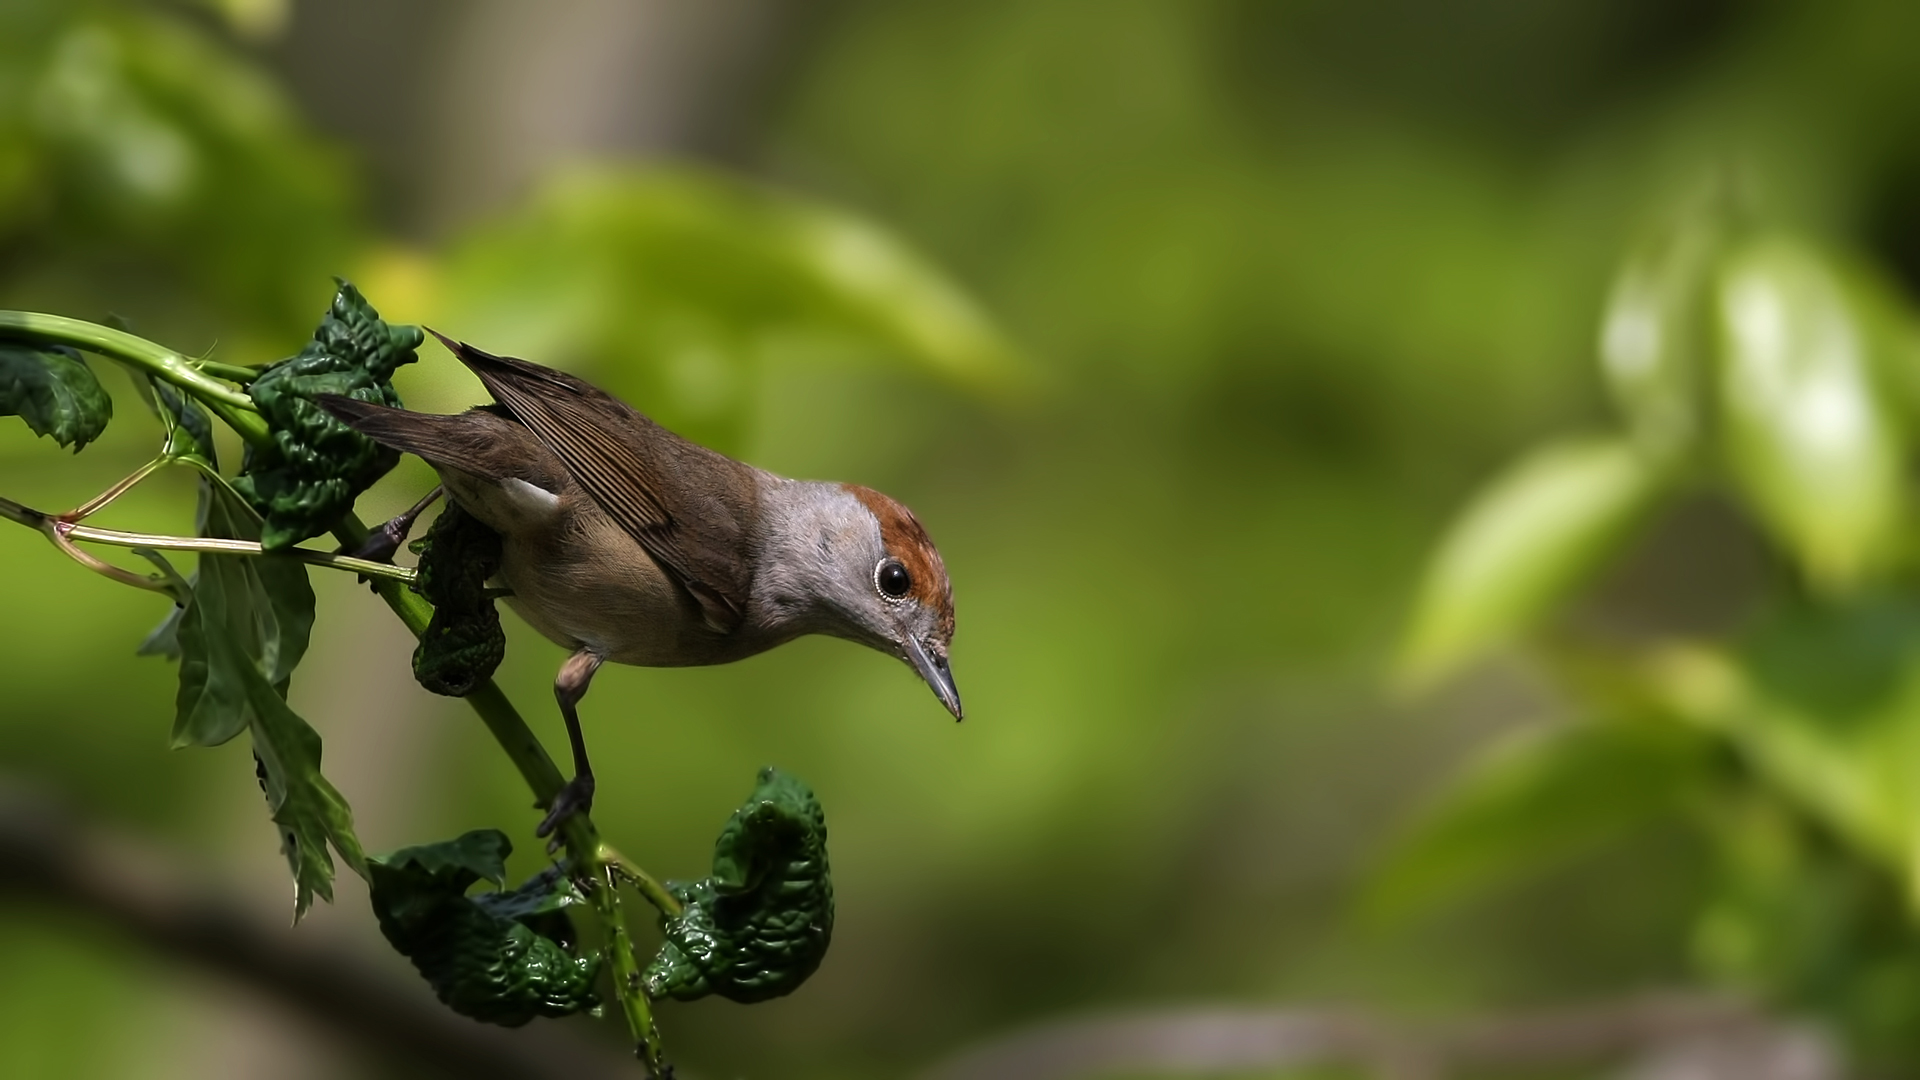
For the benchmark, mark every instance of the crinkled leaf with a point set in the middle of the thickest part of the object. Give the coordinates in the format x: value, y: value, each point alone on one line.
x: 308, y: 479
x: 760, y: 925
x: 480, y: 855
x: 463, y: 644
x: 1813, y: 443
x: 310, y: 813
x: 501, y: 958
x: 54, y: 391
x: 1523, y: 543
x: 1537, y: 800
x: 248, y: 616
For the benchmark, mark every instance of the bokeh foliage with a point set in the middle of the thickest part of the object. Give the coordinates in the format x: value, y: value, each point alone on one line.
x: 1289, y: 282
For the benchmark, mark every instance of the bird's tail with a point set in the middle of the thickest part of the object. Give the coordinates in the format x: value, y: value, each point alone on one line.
x: 471, y: 441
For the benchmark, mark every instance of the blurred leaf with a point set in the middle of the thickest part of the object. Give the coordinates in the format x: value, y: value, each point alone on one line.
x: 1654, y: 336
x: 317, y: 465
x: 1527, y: 539
x: 256, y: 19
x: 1537, y: 800
x: 679, y: 283
x: 132, y: 138
x: 761, y: 923
x: 54, y: 391
x: 500, y: 958
x: 249, y: 618
x: 1829, y: 714
x: 1812, y: 443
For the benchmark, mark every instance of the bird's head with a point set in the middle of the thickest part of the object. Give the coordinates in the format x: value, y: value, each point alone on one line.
x: 891, y: 590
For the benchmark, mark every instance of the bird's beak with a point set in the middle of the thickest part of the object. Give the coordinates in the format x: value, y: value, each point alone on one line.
x: 934, y: 669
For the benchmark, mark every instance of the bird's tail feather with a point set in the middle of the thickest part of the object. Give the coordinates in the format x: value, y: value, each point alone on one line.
x: 470, y: 441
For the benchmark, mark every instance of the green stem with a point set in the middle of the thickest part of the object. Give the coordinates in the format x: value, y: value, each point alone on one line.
x: 99, y: 502
x: 642, y: 882
x: 585, y: 853
x: 628, y: 986
x: 230, y: 405
x: 218, y: 546
x: 230, y: 372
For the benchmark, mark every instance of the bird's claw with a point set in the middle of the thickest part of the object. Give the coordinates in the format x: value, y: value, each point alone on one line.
x: 575, y: 798
x: 381, y: 544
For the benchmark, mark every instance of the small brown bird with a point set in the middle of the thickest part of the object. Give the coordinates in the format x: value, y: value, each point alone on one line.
x: 625, y: 542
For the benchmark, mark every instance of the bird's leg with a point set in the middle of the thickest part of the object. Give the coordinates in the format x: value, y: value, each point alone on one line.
x: 568, y: 688
x: 382, y: 542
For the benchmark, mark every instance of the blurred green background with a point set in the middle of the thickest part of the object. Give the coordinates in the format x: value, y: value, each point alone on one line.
x: 1187, y: 327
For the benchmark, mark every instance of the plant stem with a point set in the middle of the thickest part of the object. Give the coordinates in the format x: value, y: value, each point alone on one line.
x: 99, y: 502
x: 230, y: 405
x: 586, y: 854
x: 219, y: 546
x: 59, y: 528
x: 627, y: 985
x: 642, y: 882
x: 230, y: 372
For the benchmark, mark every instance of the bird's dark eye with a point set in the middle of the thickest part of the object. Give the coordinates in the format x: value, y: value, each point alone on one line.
x: 893, y: 579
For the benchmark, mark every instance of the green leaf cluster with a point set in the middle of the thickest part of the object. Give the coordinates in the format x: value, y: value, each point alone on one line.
x: 317, y: 465
x: 1760, y: 367
x: 500, y: 958
x: 54, y: 391
x: 1739, y: 356
x: 760, y: 924
x: 464, y: 643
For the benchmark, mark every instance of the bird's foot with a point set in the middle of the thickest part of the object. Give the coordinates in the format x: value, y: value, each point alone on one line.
x: 381, y: 544
x: 575, y: 798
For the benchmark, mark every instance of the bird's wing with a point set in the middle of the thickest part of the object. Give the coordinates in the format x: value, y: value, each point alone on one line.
x: 688, y: 506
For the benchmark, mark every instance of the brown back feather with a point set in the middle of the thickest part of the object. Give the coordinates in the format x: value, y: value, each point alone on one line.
x: 691, y: 508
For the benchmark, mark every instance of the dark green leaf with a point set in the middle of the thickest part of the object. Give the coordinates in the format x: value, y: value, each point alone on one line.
x: 501, y: 958
x: 248, y: 616
x: 239, y: 638
x: 54, y: 391
x: 464, y: 643
x: 761, y: 924
x: 165, y: 638
x: 317, y: 466
x: 311, y: 814
x: 186, y: 427
x: 480, y: 855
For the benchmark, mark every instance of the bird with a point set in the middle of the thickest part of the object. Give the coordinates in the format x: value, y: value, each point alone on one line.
x: 626, y: 543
